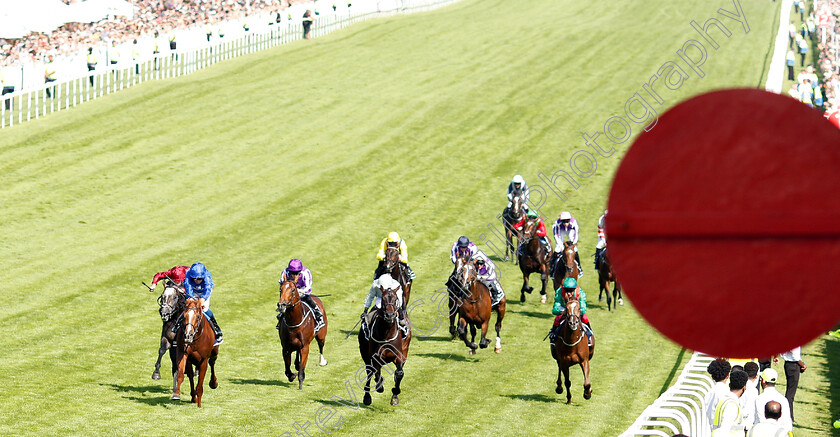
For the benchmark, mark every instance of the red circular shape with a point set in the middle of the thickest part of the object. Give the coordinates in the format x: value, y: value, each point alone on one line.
x: 724, y: 223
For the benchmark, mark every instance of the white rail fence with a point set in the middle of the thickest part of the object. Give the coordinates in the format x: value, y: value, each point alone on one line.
x: 681, y: 409
x: 32, y: 103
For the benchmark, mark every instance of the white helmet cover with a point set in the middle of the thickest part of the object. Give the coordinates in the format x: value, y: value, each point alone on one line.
x: 565, y: 215
x: 518, y: 179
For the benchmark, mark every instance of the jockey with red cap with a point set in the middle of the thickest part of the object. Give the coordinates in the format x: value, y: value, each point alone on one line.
x: 175, y: 274
x: 302, y: 278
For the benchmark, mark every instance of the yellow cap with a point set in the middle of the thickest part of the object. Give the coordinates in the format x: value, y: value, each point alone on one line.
x: 393, y: 237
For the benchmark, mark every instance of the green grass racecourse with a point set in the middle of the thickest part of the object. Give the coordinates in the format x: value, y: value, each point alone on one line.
x: 316, y: 150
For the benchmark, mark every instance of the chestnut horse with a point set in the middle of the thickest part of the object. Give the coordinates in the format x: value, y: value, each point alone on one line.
x: 532, y: 258
x: 475, y: 310
x: 570, y: 268
x: 171, y: 302
x: 297, y: 329
x: 382, y: 343
x: 392, y: 262
x: 570, y: 348
x: 195, y: 348
x: 605, y: 276
x: 510, y: 217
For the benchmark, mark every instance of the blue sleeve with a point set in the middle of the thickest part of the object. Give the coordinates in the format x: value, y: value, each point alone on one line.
x: 188, y: 289
x: 210, y: 284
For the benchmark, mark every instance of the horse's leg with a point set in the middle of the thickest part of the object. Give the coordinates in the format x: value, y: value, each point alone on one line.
x: 462, y: 332
x: 202, y: 370
x: 525, y: 287
x: 176, y: 370
x: 164, y: 346
x: 297, y: 360
x: 544, y: 279
x: 380, y: 381
x: 370, y: 372
x: 304, y: 355
x: 191, y: 374
x: 600, y: 287
x: 213, y: 354
x: 398, y: 376
x: 559, y: 389
x: 321, y: 338
x: 179, y: 377
x: 500, y: 315
x: 287, y: 359
x: 606, y: 286
x: 453, y: 313
x: 484, y: 341
x: 568, y: 384
x: 587, y: 385
x: 617, y: 290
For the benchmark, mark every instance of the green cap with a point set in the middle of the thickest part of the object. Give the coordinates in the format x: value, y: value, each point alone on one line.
x: 570, y: 283
x: 532, y: 213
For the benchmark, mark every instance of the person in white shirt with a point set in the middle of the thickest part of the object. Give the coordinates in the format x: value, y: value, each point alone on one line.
x: 719, y: 371
x: 768, y: 384
x: 793, y: 367
x: 750, y: 394
x: 769, y: 427
x: 727, y: 414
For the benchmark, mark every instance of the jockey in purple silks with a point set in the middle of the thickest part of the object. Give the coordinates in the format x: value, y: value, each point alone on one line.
x: 302, y: 278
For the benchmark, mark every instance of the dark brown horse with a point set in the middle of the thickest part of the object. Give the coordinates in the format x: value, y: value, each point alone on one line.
x: 566, y: 266
x: 171, y: 302
x: 510, y: 217
x: 297, y: 329
x: 454, y: 287
x: 381, y: 343
x: 195, y: 349
x: 570, y: 348
x: 533, y: 258
x: 605, y: 276
x: 397, y: 271
x: 475, y: 310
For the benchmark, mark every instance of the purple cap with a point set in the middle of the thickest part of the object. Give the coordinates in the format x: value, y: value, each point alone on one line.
x: 295, y: 265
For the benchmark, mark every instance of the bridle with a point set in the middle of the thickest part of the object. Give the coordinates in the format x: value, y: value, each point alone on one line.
x: 569, y: 257
x: 196, y: 323
x: 167, y: 309
x: 388, y: 317
x: 468, y: 278
x: 572, y: 322
x: 284, y: 307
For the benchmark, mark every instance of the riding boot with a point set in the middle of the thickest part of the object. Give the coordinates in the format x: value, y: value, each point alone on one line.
x: 316, y: 312
x: 577, y: 260
x: 402, y: 320
x: 216, y: 330
x: 411, y: 274
x: 598, y: 258
x: 498, y: 293
x: 551, y: 263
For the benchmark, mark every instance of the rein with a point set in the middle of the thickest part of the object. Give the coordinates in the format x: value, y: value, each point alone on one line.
x: 307, y: 313
x: 396, y: 332
x: 568, y: 327
x: 199, y: 328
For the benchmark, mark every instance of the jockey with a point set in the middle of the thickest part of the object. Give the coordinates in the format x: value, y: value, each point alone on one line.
x: 487, y: 276
x: 375, y: 295
x: 518, y: 184
x: 462, y: 247
x: 541, y: 232
x: 570, y: 286
x: 175, y: 274
x: 393, y: 240
x: 302, y: 278
x: 602, y: 240
x: 199, y: 284
x: 565, y: 229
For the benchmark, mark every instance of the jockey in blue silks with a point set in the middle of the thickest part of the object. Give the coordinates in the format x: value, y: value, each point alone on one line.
x: 199, y: 284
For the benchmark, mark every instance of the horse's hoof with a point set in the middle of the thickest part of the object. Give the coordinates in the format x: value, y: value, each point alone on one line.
x: 498, y: 350
x: 214, y: 384
x: 522, y: 298
x: 380, y: 389
x: 600, y: 298
x: 530, y: 289
x: 453, y: 331
x: 395, y: 400
x: 569, y: 401
x: 542, y: 299
x: 323, y: 362
x: 484, y: 344
x: 291, y: 376
x: 559, y: 390
x: 156, y: 375
x: 367, y: 399
x: 620, y: 301
x: 587, y: 396
x: 175, y: 398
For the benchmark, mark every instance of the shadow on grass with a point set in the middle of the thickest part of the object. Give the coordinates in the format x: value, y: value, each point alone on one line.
x: 832, y: 352
x: 139, y: 388
x: 536, y: 314
x: 444, y: 338
x: 451, y: 357
x: 673, y: 373
x: 273, y: 382
x: 531, y: 398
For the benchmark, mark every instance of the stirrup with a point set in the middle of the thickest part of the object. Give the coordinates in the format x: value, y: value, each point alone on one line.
x: 219, y: 340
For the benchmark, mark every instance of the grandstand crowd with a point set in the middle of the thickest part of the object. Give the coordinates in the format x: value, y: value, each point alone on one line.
x: 151, y: 16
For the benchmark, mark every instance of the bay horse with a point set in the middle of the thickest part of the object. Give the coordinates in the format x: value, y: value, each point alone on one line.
x: 297, y: 329
x: 195, y: 349
x: 532, y: 258
x: 454, y: 287
x: 475, y: 309
x: 171, y: 302
x: 392, y: 262
x: 570, y: 267
x: 605, y: 276
x: 382, y: 343
x: 510, y: 217
x: 570, y: 347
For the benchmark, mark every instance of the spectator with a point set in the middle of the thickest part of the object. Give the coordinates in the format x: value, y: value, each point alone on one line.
x: 791, y: 61
x: 135, y: 56
x: 770, y: 426
x: 719, y: 371
x: 307, y: 24
x: 768, y: 383
x: 49, y: 74
x: 747, y: 401
x: 6, y: 89
x: 91, y: 64
x: 803, y: 50
x: 793, y: 367
x: 727, y: 414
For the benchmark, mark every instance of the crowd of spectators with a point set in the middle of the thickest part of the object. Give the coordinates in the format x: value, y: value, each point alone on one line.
x: 162, y: 16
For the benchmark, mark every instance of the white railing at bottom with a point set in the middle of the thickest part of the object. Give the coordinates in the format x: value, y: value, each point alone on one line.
x: 681, y: 409
x: 24, y: 105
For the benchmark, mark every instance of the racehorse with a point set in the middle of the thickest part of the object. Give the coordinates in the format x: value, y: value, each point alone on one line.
x: 605, y: 275
x: 195, y: 348
x: 297, y: 329
x: 510, y: 217
x: 381, y: 343
x: 570, y: 347
x: 392, y: 262
x: 171, y: 303
x: 454, y: 287
x: 570, y: 267
x: 474, y: 309
x: 532, y: 258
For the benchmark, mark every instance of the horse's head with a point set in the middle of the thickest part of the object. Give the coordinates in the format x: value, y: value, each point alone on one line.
x: 389, y: 305
x: 171, y: 301
x: 192, y: 319
x: 569, y: 256
x: 516, y: 204
x: 467, y: 275
x: 572, y: 310
x: 289, y: 296
x: 392, y: 257
x: 529, y: 229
